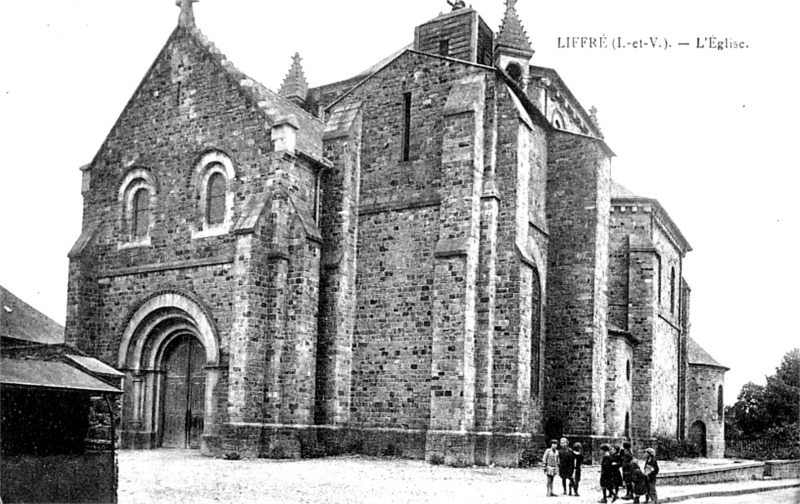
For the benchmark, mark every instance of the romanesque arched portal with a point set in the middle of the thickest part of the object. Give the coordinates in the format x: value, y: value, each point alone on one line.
x: 170, y: 355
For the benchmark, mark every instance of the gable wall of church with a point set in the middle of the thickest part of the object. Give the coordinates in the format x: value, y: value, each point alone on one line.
x: 186, y: 107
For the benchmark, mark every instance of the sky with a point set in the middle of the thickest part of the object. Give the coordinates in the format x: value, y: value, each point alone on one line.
x: 712, y: 134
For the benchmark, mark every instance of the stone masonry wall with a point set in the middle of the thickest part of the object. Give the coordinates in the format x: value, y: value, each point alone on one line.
x: 641, y: 259
x: 398, y: 231
x: 666, y: 338
x: 619, y: 392
x: 578, y: 203
x: 521, y: 160
x: 188, y: 105
x: 339, y: 224
x: 702, y: 390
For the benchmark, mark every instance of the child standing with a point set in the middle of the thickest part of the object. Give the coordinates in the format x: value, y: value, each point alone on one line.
x: 607, y: 474
x: 627, y: 460
x: 550, y: 462
x: 616, y: 464
x: 578, y: 454
x: 638, y: 482
x: 651, y: 471
x: 566, y: 465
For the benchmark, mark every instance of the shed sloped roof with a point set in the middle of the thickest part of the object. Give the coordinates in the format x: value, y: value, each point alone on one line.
x: 94, y: 366
x: 21, y: 321
x: 50, y: 374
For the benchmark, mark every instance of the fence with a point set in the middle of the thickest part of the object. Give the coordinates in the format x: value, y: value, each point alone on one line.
x: 762, y: 449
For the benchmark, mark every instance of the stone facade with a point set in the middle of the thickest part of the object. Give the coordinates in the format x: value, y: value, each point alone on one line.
x: 429, y: 259
x: 705, y: 411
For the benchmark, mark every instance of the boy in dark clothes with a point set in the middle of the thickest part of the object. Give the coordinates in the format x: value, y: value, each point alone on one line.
x: 616, y: 463
x: 651, y: 471
x: 607, y: 474
x: 638, y: 482
x: 577, y: 452
x: 627, y: 459
x: 566, y: 465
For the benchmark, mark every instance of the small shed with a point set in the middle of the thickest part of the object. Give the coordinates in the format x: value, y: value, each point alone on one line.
x: 57, y: 415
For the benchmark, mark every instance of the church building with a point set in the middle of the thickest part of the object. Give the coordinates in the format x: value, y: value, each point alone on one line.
x: 429, y: 259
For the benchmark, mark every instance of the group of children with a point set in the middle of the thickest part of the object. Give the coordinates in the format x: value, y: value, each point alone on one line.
x: 564, y: 461
x: 567, y: 462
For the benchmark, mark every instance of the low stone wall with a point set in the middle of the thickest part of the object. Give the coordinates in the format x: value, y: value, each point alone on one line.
x: 736, y: 471
x: 782, y: 469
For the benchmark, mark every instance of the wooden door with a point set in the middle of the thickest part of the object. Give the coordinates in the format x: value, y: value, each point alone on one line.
x: 697, y: 435
x: 184, y: 394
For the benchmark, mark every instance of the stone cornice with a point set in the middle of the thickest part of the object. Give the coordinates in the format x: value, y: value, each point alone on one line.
x: 660, y: 216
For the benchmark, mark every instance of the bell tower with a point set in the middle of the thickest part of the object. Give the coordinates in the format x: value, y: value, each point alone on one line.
x: 513, y: 50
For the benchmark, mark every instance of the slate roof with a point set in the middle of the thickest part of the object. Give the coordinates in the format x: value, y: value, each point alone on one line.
x: 697, y: 356
x: 21, y: 321
x: 620, y: 191
x: 50, y: 374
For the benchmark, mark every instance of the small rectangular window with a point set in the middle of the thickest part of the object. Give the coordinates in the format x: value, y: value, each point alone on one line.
x: 444, y: 47
x: 406, y: 126
x: 658, y: 283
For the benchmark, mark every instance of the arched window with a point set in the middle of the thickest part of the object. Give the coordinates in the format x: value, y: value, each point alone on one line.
x: 672, y: 291
x: 720, y: 403
x: 140, y: 213
x: 215, y: 199
x: 515, y: 72
x: 137, y: 200
x: 213, y: 183
x: 628, y: 370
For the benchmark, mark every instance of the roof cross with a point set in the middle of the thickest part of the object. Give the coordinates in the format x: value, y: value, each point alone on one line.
x: 187, y: 13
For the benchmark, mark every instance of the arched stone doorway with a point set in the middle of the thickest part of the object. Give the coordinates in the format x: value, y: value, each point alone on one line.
x: 170, y: 355
x: 697, y: 435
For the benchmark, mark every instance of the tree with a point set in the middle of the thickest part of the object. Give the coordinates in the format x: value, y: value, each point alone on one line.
x: 748, y: 416
x: 773, y: 409
x: 782, y: 393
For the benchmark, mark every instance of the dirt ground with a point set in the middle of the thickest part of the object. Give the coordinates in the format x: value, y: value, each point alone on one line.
x: 175, y: 476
